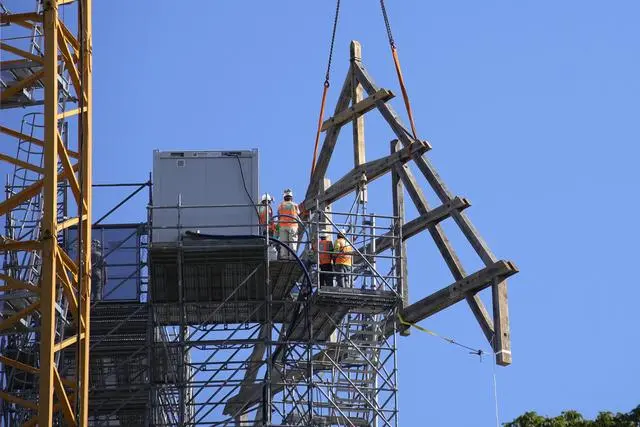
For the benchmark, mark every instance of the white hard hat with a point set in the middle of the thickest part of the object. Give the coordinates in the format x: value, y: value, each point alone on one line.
x: 267, y: 197
x: 323, y: 234
x: 288, y: 192
x: 342, y: 232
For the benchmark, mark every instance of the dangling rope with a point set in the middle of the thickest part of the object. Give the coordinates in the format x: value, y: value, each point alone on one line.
x: 396, y: 62
x: 326, y: 87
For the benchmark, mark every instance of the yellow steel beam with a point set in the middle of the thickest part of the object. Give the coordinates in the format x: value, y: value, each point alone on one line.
x: 22, y: 53
x: 49, y: 222
x: 86, y: 150
x: 11, y: 284
x: 25, y: 245
x: 22, y: 84
x: 22, y: 164
x: 70, y: 223
x: 68, y: 35
x: 14, y: 18
x: 12, y: 320
x: 63, y: 399
x: 18, y: 401
x: 68, y: 290
x: 71, y: 65
x: 29, y: 192
x: 18, y: 365
x: 36, y: 141
x: 67, y: 342
x: 69, y: 170
x: 70, y: 113
x: 68, y: 263
x: 21, y: 136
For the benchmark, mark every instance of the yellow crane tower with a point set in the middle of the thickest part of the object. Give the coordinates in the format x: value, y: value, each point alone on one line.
x: 46, y: 72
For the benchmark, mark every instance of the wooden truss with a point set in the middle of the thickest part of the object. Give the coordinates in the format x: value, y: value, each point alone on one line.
x: 65, y: 53
x: 351, y: 107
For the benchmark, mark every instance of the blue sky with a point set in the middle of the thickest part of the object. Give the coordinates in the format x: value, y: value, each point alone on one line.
x: 532, y: 112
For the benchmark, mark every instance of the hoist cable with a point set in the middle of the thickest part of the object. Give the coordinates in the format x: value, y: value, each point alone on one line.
x: 396, y: 62
x: 325, y: 89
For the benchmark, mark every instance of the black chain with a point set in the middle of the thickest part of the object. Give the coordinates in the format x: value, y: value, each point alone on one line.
x: 386, y: 23
x: 333, y: 39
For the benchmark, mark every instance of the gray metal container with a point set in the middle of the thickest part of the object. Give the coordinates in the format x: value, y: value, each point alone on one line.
x: 197, y: 180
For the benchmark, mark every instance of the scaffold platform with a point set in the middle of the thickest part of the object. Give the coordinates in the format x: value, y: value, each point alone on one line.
x: 329, y: 305
x: 223, y: 281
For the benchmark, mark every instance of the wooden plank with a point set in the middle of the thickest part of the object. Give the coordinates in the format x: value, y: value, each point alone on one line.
x: 502, y: 340
x: 418, y: 224
x: 371, y: 171
x: 385, y: 109
x: 330, y: 139
x: 446, y: 250
x: 359, y: 156
x: 456, y: 292
x: 401, y: 266
x: 357, y: 110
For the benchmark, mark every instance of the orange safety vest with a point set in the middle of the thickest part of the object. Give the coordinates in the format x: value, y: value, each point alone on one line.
x: 326, y: 249
x: 290, y: 209
x: 343, y: 252
x: 263, y: 211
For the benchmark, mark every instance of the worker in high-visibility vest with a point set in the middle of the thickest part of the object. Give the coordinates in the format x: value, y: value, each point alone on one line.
x: 324, y: 259
x: 342, y: 260
x: 288, y: 218
x: 265, y: 215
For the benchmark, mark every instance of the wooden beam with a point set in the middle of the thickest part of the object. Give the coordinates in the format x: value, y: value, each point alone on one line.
x: 446, y: 250
x: 385, y: 109
x: 358, y: 109
x: 370, y: 171
x: 415, y: 226
x: 330, y: 139
x: 401, y: 267
x: 456, y: 292
x: 502, y: 337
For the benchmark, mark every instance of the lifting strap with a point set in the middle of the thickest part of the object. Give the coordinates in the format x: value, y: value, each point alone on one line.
x: 396, y: 61
x: 325, y: 88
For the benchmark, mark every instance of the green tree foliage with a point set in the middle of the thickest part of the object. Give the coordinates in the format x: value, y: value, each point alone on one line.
x: 575, y: 419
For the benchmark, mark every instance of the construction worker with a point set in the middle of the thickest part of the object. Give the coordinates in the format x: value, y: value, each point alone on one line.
x: 288, y: 218
x: 342, y: 259
x: 265, y: 215
x: 98, y: 271
x: 325, y: 259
